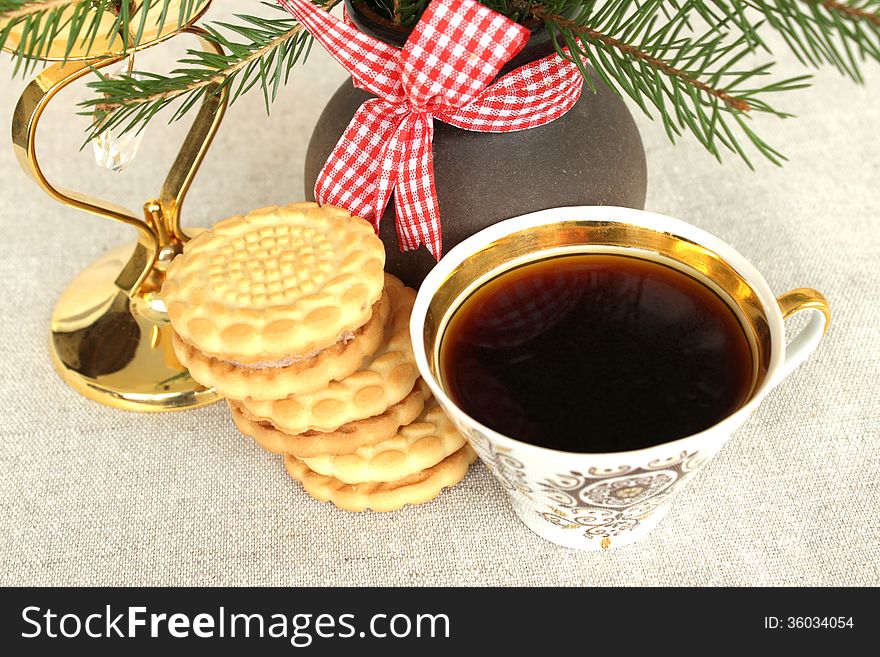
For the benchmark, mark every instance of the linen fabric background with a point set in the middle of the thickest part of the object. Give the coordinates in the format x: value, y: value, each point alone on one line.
x: 93, y: 495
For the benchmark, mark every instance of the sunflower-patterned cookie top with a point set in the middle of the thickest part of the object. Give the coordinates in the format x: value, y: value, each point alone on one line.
x: 275, y: 282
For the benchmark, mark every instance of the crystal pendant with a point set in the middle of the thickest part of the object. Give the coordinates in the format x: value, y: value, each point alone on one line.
x: 114, y: 148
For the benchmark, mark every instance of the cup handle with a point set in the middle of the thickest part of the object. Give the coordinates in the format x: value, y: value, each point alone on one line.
x: 805, y: 343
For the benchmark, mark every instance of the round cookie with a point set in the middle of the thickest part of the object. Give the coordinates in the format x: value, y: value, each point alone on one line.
x: 384, y: 496
x: 303, y: 375
x: 416, y: 447
x: 344, y: 440
x: 383, y: 380
x: 275, y: 282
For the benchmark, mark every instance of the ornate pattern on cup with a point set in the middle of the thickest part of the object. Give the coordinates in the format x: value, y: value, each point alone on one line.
x: 598, y: 503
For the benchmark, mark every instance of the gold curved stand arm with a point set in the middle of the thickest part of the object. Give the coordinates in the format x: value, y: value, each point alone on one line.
x: 111, y: 339
x: 161, y: 226
x: 194, y: 147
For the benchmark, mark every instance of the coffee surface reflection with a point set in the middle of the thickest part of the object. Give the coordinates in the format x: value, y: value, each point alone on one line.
x: 596, y: 353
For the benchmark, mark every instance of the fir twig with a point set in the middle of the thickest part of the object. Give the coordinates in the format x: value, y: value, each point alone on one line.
x: 40, y: 24
x: 702, y: 83
x: 13, y: 10
x: 852, y: 12
x: 826, y: 31
x: 541, y: 13
x: 694, y: 83
x: 264, y: 57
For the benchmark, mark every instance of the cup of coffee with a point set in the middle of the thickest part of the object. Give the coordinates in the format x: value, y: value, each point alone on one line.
x: 597, y: 357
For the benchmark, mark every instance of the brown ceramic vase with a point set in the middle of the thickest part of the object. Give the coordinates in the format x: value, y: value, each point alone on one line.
x: 592, y: 155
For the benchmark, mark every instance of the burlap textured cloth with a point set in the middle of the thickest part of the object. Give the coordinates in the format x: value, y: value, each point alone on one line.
x: 92, y: 495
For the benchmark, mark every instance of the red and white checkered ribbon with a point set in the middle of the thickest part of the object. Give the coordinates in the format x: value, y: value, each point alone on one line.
x: 455, y: 51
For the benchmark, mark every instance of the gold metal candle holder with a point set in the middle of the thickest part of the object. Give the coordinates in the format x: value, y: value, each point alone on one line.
x: 110, y: 334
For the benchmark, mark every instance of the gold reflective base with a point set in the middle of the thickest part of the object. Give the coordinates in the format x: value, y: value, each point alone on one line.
x: 117, y: 350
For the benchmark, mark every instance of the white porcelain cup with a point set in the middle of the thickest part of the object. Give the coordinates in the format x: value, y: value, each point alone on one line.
x: 596, y: 501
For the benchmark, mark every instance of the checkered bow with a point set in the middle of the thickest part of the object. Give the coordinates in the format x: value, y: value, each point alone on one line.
x: 444, y: 71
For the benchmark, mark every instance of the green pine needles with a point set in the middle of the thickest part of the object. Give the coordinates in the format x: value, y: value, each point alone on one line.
x: 701, y: 66
x: 260, y: 52
x: 38, y: 24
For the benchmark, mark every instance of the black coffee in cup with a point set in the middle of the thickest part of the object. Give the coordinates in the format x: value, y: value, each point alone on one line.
x: 596, y: 353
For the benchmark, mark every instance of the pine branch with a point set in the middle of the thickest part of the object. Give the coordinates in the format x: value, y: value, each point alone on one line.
x: 15, y: 9
x: 265, y: 55
x: 842, y: 34
x: 38, y: 25
x: 696, y: 81
x: 541, y: 13
x: 692, y: 82
x: 852, y: 12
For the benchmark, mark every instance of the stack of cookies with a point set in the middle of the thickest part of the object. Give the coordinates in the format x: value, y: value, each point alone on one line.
x: 287, y: 312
